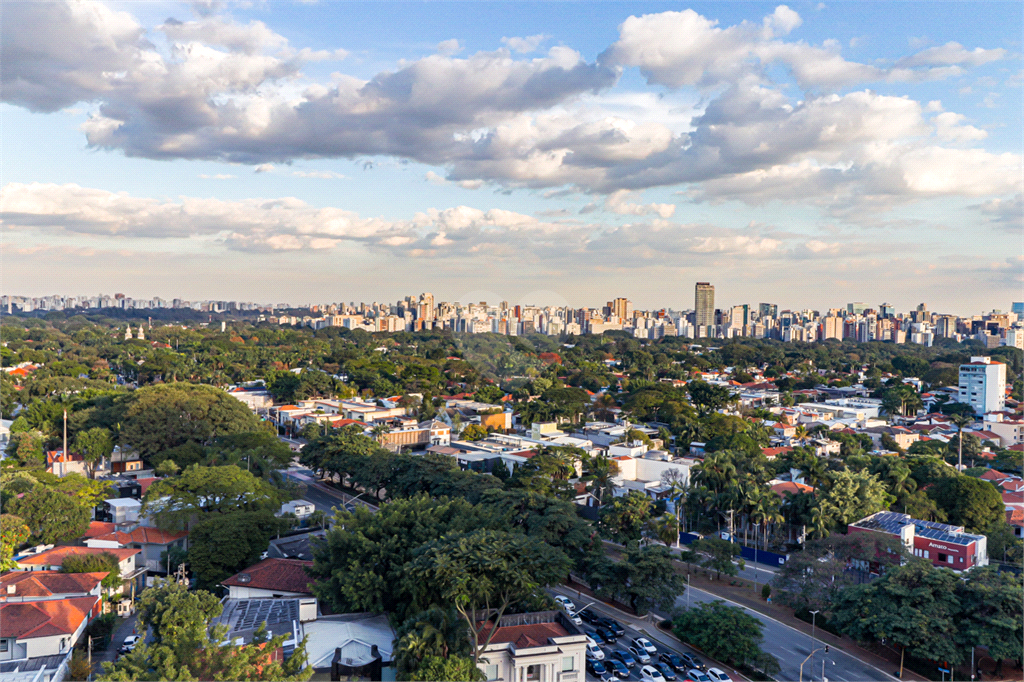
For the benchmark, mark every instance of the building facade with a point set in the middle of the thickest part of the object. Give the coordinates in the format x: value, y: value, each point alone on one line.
x: 704, y: 304
x: 944, y: 545
x: 983, y: 385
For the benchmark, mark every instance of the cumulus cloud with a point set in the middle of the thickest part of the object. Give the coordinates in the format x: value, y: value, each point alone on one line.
x: 289, y: 224
x: 228, y: 91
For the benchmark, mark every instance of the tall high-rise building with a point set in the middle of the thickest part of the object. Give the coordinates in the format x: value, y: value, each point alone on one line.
x: 856, y: 308
x: 621, y: 308
x: 832, y: 327
x: 886, y: 310
x: 426, y: 307
x: 704, y: 304
x: 767, y: 310
x: 983, y: 385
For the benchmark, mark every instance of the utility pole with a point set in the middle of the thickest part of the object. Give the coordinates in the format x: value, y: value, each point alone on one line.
x: 814, y: 616
x: 687, y: 590
x: 64, y: 454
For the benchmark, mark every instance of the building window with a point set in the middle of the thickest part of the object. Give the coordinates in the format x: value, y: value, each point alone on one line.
x: 961, y: 559
x: 3, y: 646
x: 926, y: 554
x: 492, y: 672
x: 533, y: 672
x: 949, y: 559
x: 567, y: 663
x: 942, y: 557
x: 63, y: 644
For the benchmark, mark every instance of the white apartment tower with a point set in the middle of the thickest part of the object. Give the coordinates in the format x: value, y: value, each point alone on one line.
x: 983, y: 385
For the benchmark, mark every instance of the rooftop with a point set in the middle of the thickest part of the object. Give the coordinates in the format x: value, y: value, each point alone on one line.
x: 286, y: 575
x: 47, y: 583
x: 893, y: 522
x: 55, y: 556
x: 26, y: 620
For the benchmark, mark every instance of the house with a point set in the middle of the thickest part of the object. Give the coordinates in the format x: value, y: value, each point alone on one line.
x: 417, y: 436
x: 349, y: 643
x: 44, y: 628
x: 772, y: 453
x: 903, y: 436
x: 782, y: 488
x: 16, y: 586
x: 271, y: 578
x: 1015, y: 517
x: 299, y: 508
x: 152, y: 541
x: 296, y: 546
x: 243, y: 618
x: 119, y: 510
x: 51, y: 559
x: 61, y: 464
x: 944, y: 545
x: 543, y: 646
x: 124, y: 461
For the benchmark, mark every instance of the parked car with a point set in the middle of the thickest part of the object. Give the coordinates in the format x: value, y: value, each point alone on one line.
x: 613, y: 625
x: 674, y: 661
x: 666, y: 671
x: 698, y: 676
x: 606, y: 634
x: 594, y: 652
x: 129, y: 643
x: 565, y: 602
x: 649, y: 673
x: 620, y: 669
x: 717, y: 675
x: 573, y: 617
x: 693, y: 662
x: 589, y: 616
x: 600, y: 671
x: 645, y: 644
x: 596, y: 636
x: 624, y: 657
x: 640, y: 654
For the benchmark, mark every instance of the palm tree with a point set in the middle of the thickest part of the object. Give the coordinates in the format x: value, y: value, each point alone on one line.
x: 715, y: 471
x: 819, y: 523
x: 961, y: 420
x: 600, y: 472
x: 380, y: 430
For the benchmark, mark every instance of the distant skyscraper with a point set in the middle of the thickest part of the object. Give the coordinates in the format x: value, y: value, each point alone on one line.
x: 704, y: 304
x: 768, y: 310
x: 857, y: 308
x: 1018, y: 308
x: 886, y: 310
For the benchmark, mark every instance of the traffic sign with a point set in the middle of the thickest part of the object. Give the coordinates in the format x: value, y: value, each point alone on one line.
x: 943, y: 670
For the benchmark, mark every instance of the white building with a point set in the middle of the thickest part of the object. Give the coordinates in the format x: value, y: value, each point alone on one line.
x: 983, y: 385
x: 543, y: 646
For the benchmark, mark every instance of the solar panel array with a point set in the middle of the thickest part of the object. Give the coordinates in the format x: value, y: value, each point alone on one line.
x: 893, y: 522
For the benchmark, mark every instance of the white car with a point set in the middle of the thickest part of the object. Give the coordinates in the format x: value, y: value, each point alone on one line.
x: 594, y: 652
x: 129, y: 642
x: 697, y: 676
x: 640, y: 654
x: 649, y: 673
x: 565, y: 602
x: 717, y: 675
x: 645, y: 644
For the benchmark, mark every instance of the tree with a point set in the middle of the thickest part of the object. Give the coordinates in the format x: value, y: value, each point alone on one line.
x: 854, y: 495
x: 725, y: 633
x: 599, y: 470
x: 94, y: 445
x: 207, y: 491
x: 990, y: 606
x: 708, y: 398
x: 157, y: 418
x: 914, y: 606
x: 482, y: 573
x: 222, y: 545
x: 969, y: 502
x: 167, y: 468
x: 13, y: 534
x: 651, y: 579
x: 450, y: 668
x: 474, y: 432
x: 186, y: 648
x: 718, y: 555
x: 623, y: 520
x: 95, y: 563
x: 435, y: 632
x: 960, y: 420
x: 52, y: 516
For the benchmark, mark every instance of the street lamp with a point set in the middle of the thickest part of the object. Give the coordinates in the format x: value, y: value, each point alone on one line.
x: 814, y: 615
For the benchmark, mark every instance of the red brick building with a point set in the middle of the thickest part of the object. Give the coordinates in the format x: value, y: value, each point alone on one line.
x: 944, y: 545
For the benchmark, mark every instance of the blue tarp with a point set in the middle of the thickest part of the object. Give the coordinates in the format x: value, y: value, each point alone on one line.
x: 763, y: 557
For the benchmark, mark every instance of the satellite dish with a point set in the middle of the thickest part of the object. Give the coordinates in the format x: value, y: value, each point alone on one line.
x: 244, y: 577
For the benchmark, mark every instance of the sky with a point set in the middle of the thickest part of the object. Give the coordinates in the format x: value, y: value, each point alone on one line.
x: 807, y: 154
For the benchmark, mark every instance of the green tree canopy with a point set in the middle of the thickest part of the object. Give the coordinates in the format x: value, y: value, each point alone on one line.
x: 969, y: 502
x: 623, y: 520
x: 222, y: 545
x: 201, y: 492
x: 95, y: 563
x: 726, y: 633
x: 52, y: 515
x: 13, y: 534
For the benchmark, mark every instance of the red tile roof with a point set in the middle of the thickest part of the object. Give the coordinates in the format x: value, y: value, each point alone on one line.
x: 145, y: 483
x: 535, y: 634
x: 791, y: 487
x: 286, y: 575
x: 47, y: 618
x: 1015, y: 517
x: 97, y: 528
x: 775, y: 452
x: 48, y: 583
x: 55, y: 556
x: 144, y: 535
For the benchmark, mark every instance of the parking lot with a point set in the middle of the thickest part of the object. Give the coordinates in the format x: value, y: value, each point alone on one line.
x: 624, y: 641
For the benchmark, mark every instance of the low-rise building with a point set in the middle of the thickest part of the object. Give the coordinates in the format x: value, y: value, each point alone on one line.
x: 44, y: 628
x: 18, y: 586
x: 542, y: 646
x: 153, y: 542
x: 271, y: 579
x: 299, y: 508
x: 944, y: 545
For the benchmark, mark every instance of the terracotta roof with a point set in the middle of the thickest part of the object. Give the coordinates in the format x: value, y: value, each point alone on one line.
x: 1013, y: 499
x: 286, y: 575
x: 993, y: 475
x: 535, y: 634
x: 48, y: 583
x: 97, y: 528
x: 145, y: 483
x: 775, y: 452
x: 144, y: 535
x: 47, y: 618
x: 791, y: 487
x: 55, y: 556
x: 1015, y: 517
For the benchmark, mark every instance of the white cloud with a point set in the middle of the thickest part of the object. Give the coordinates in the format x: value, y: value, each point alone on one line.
x: 448, y: 48
x: 264, y: 168
x: 618, y: 202
x: 525, y: 45
x: 952, y: 54
x: 949, y: 126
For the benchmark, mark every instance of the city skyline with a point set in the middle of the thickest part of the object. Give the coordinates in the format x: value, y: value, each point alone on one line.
x: 814, y: 151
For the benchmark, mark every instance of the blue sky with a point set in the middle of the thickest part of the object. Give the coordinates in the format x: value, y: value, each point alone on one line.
x: 809, y: 154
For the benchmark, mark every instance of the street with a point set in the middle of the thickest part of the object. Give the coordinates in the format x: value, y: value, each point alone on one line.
x: 323, y: 497
x: 791, y: 647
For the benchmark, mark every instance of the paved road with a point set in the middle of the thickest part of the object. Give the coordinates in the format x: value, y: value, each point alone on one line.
x: 791, y: 647
x: 324, y: 498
